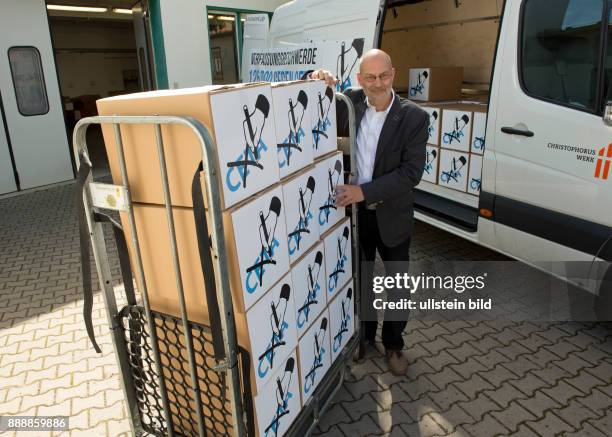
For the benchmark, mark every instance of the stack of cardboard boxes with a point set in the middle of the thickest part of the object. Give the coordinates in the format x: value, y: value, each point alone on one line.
x: 289, y: 246
x: 456, y: 129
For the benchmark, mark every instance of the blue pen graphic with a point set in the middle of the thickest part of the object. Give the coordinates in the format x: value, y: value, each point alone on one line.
x: 295, y: 126
x: 312, y: 282
x: 282, y: 398
x: 319, y: 353
x: 346, y: 62
x: 278, y: 327
x: 346, y: 318
x: 333, y: 178
x: 341, y: 246
x: 304, y: 215
x: 323, y: 105
x: 267, y: 229
x: 252, y: 138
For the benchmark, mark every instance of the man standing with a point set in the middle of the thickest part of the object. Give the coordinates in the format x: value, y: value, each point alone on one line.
x: 391, y: 138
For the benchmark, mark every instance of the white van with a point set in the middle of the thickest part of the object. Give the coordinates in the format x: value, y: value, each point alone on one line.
x: 544, y: 68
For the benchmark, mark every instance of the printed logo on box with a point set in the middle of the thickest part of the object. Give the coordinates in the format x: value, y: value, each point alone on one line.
x: 245, y: 138
x: 347, y: 61
x: 430, y: 172
x: 323, y: 114
x: 278, y: 403
x: 432, y: 130
x: 342, y: 326
x: 293, y: 127
x: 478, y: 133
x: 453, y: 171
x: 309, y: 279
x: 260, y: 231
x: 319, y: 360
x: 418, y: 83
x: 271, y: 324
x: 337, y: 253
x: 306, y: 224
x: 254, y: 146
x: 329, y: 213
x: 455, y: 133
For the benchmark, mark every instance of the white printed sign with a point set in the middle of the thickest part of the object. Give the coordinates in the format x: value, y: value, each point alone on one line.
x: 315, y: 356
x: 301, y: 213
x: 261, y: 244
x: 278, y: 403
x: 456, y: 129
x: 272, y: 330
x: 342, y: 320
x: 453, y: 172
x: 418, y: 84
x: 338, y: 260
x: 292, y: 110
x: 475, y: 176
x: 432, y: 157
x: 433, y: 132
x: 329, y: 173
x: 291, y: 63
x: 246, y: 141
x: 310, y: 297
x: 323, y: 118
x: 478, y: 132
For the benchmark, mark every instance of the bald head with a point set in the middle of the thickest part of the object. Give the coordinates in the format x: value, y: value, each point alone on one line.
x: 375, y: 58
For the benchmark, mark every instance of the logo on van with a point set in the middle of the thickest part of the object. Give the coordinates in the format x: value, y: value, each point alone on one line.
x: 602, y: 168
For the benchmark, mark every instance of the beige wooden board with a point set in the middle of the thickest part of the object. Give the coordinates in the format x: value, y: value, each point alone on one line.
x: 471, y: 46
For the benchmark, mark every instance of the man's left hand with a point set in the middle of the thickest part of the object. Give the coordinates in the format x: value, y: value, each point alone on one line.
x: 348, y: 194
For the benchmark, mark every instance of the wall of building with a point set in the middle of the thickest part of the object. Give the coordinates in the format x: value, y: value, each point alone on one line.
x: 186, y: 41
x: 94, y: 58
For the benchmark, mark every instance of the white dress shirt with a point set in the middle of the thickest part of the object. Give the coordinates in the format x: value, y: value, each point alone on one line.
x: 368, y: 134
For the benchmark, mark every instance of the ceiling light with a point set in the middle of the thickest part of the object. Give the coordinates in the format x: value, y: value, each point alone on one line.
x: 75, y: 8
x: 211, y: 16
x: 122, y: 11
x: 225, y: 18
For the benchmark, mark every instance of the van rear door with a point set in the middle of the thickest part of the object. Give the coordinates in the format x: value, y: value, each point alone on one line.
x: 552, y: 149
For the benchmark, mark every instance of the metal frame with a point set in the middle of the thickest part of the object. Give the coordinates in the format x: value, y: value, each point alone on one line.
x: 230, y: 364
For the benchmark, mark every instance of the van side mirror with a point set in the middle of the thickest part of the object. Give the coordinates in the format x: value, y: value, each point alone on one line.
x: 607, y: 114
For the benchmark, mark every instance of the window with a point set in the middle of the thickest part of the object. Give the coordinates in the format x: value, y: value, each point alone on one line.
x: 607, y: 90
x: 28, y: 80
x: 560, y: 51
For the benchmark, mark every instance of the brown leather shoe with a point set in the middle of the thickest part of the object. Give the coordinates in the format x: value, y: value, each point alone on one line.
x: 398, y: 364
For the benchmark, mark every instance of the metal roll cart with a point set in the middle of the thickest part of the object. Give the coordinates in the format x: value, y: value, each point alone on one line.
x: 216, y: 399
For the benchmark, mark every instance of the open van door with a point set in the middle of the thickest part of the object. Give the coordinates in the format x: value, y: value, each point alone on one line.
x: 552, y: 148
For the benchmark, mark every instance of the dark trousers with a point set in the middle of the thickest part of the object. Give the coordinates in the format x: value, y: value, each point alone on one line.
x: 370, y: 242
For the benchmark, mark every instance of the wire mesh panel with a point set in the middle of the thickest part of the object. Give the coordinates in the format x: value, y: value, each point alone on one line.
x: 213, y: 393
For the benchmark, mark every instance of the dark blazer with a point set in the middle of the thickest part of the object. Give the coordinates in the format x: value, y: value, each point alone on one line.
x: 398, y: 166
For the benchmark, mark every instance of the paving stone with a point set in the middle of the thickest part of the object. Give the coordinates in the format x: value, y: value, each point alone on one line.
x: 469, y: 367
x: 427, y: 427
x: 513, y: 416
x: 447, y: 397
x: 550, y: 424
x: 487, y: 427
x: 470, y: 387
x: 504, y: 395
x: 336, y: 414
x: 586, y: 429
x: 450, y: 419
x: 364, y: 426
x: 575, y: 414
x: 562, y: 392
x: 597, y: 401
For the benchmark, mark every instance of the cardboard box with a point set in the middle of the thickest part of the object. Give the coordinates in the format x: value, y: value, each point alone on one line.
x: 258, y: 245
x: 243, y: 236
x: 292, y: 112
x: 453, y: 169
x: 342, y: 320
x: 279, y: 402
x: 435, y: 83
x: 338, y: 257
x: 329, y: 174
x: 430, y: 174
x: 475, y: 175
x: 456, y: 129
x: 309, y: 279
x: 314, y: 356
x: 272, y: 331
x: 323, y: 118
x: 240, y: 120
x: 434, y: 125
x: 301, y: 212
x: 478, y: 133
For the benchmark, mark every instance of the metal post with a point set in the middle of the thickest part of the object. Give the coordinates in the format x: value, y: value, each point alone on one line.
x: 96, y: 235
x: 179, y: 279
x: 354, y: 215
x: 143, y: 285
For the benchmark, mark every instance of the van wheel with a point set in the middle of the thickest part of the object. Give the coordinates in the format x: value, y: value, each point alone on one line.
x: 603, y: 302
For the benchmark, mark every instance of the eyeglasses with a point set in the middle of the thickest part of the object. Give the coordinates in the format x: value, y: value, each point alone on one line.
x: 382, y: 76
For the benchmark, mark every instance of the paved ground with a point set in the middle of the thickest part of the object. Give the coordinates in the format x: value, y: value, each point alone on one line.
x: 465, y: 378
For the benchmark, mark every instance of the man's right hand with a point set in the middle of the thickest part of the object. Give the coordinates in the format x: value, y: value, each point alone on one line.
x: 325, y: 75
